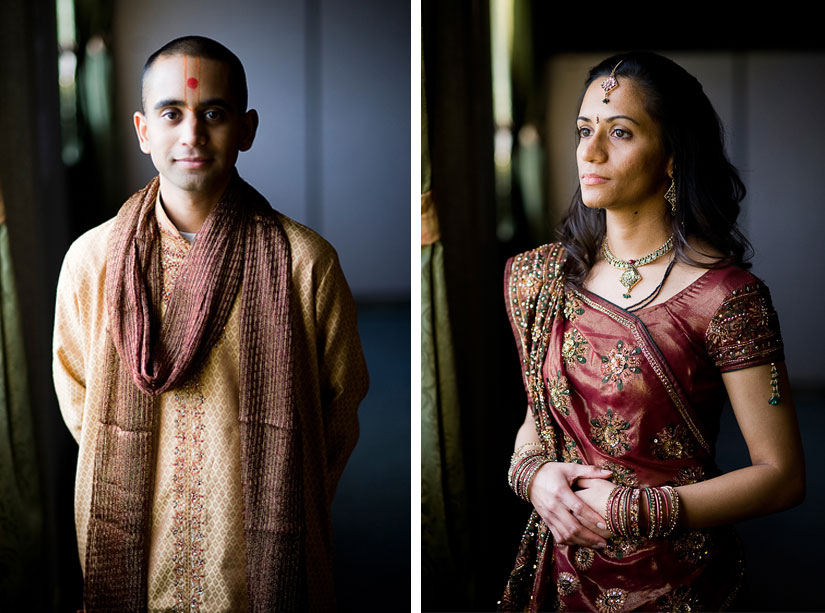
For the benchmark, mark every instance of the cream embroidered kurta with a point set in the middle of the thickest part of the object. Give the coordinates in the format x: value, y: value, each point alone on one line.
x: 197, y: 555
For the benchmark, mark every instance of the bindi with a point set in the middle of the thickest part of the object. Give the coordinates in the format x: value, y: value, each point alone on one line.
x: 597, y: 120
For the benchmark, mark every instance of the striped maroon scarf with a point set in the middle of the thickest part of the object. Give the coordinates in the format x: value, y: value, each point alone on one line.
x: 240, y: 248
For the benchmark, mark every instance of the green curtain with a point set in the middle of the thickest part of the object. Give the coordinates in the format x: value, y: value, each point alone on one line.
x: 20, y: 512
x: 444, y: 540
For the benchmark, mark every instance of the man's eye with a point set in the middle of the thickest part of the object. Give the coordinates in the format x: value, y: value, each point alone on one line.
x: 213, y: 115
x: 169, y: 114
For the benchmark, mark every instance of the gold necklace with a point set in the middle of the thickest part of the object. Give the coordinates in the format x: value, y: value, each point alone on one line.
x: 631, y: 276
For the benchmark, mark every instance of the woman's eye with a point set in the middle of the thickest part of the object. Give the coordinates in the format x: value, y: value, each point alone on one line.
x: 584, y: 132
x: 619, y: 133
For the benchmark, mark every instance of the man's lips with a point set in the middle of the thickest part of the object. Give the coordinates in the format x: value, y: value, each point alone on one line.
x: 593, y: 179
x: 193, y: 162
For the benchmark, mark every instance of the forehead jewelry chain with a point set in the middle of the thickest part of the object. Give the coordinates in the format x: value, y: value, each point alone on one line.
x: 610, y: 83
x: 631, y: 276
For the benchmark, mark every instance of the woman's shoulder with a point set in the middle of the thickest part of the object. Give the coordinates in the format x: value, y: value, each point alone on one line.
x: 548, y: 250
x: 531, y: 269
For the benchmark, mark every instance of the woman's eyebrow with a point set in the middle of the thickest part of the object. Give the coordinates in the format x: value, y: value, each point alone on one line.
x: 609, y: 119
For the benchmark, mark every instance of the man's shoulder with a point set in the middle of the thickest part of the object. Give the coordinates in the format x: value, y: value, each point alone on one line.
x: 306, y: 245
x: 89, y: 249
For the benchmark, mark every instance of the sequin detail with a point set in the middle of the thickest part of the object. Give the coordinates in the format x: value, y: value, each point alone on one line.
x: 744, y: 329
x: 583, y: 558
x: 688, y: 475
x: 571, y: 451
x: 672, y: 443
x: 567, y: 583
x: 559, y: 391
x: 611, y: 601
x: 609, y: 433
x: 621, y: 364
x: 620, y: 546
x: 692, y: 547
x: 622, y: 475
x: 680, y: 600
x: 573, y: 307
x: 573, y: 348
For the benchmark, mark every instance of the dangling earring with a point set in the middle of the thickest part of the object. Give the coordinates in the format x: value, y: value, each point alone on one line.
x: 670, y: 196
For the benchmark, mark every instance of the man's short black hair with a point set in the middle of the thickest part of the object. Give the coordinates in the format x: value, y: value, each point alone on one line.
x: 200, y: 46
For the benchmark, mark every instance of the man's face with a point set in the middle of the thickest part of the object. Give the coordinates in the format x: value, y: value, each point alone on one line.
x: 191, y: 125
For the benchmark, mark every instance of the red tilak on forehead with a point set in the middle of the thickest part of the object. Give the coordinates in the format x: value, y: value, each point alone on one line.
x: 192, y: 82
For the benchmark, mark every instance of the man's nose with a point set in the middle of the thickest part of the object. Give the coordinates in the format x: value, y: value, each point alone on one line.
x: 194, y: 130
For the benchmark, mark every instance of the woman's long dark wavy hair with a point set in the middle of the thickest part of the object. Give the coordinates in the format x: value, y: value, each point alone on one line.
x: 708, y: 187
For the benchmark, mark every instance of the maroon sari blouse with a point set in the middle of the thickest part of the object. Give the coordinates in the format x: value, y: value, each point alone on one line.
x: 639, y: 394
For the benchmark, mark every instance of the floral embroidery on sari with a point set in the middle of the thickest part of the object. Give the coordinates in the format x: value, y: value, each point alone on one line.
x: 559, y: 391
x: 621, y: 546
x: 573, y: 348
x: 571, y: 451
x: 612, y: 600
x: 567, y: 583
x: 621, y: 364
x: 609, y: 434
x: 622, y: 475
x: 572, y: 307
x: 672, y: 443
x: 583, y: 558
x: 688, y: 475
x: 679, y: 600
x: 693, y: 546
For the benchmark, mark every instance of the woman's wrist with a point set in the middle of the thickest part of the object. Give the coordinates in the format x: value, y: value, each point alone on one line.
x: 649, y: 511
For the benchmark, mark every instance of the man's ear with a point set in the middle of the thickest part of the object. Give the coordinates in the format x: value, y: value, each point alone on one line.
x: 250, y: 127
x: 140, y: 129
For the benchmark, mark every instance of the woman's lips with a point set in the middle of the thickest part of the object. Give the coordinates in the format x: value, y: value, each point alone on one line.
x: 593, y: 179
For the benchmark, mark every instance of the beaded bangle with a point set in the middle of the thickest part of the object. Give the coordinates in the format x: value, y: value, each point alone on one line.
x: 673, y: 495
x: 524, y: 464
x: 623, y: 511
x: 662, y: 510
x: 634, y: 512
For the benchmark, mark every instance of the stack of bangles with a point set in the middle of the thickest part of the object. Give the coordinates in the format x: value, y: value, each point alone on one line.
x: 623, y: 510
x: 524, y: 464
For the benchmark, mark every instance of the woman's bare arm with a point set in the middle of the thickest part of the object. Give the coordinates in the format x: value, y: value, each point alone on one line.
x: 776, y: 478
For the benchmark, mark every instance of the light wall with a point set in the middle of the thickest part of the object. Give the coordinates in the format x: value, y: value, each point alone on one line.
x: 331, y: 83
x: 769, y: 103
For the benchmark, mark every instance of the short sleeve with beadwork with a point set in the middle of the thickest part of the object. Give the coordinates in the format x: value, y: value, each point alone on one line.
x: 744, y: 331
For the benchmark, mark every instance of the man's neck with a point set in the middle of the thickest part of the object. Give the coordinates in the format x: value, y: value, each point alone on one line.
x: 186, y: 210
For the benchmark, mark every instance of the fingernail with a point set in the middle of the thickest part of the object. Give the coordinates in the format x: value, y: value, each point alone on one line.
x: 600, y: 525
x: 599, y: 545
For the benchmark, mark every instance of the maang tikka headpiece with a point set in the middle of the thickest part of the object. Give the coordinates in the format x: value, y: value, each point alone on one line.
x: 610, y: 83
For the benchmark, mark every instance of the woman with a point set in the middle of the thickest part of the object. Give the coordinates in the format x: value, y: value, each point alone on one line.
x: 632, y: 332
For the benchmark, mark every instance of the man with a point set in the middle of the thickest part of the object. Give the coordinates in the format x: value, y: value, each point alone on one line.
x: 206, y: 359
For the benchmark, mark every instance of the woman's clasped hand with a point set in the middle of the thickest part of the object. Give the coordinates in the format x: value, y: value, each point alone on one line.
x: 570, y: 498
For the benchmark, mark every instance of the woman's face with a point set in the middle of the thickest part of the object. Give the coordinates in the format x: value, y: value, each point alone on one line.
x: 621, y: 158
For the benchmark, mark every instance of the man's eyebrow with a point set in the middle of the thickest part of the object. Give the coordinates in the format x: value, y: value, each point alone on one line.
x: 168, y: 102
x: 609, y: 119
x: 220, y: 102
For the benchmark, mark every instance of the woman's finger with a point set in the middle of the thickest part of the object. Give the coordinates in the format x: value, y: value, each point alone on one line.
x: 572, y: 532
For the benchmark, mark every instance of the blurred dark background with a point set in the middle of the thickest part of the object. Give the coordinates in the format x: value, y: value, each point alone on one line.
x: 331, y: 83
x: 503, y: 79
